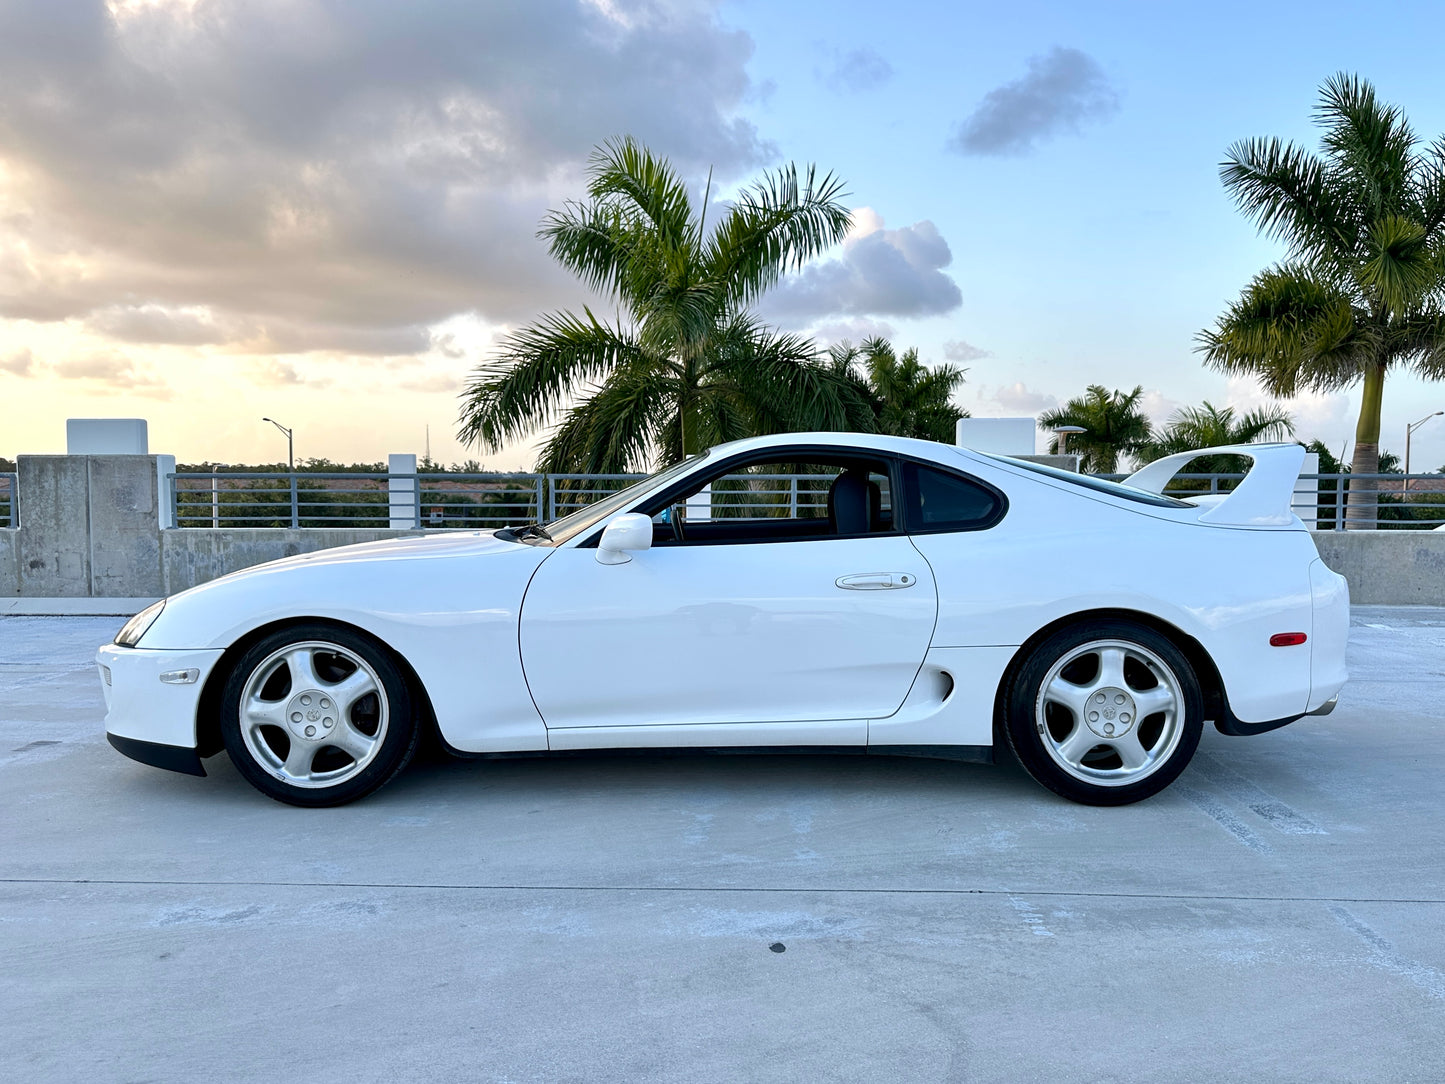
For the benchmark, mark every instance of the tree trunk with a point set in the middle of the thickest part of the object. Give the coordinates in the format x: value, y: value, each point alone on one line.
x: 1362, y: 502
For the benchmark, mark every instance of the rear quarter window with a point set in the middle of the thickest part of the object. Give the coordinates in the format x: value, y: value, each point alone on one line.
x: 940, y: 500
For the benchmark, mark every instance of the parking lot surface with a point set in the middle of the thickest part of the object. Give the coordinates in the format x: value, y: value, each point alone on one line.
x: 1275, y: 915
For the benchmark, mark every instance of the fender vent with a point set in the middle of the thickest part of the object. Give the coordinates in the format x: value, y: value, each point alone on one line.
x: 945, y: 686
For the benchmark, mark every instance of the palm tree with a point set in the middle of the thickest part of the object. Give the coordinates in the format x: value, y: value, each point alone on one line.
x: 1113, y: 424
x: 910, y: 399
x: 1209, y: 426
x: 1361, y: 289
x: 684, y: 365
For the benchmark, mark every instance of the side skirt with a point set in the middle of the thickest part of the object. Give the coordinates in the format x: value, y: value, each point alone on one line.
x: 969, y: 754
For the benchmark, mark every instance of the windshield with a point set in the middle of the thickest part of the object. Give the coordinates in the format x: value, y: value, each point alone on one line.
x: 1084, y: 481
x: 573, y: 524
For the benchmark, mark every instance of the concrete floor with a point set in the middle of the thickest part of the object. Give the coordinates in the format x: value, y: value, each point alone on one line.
x: 1276, y: 915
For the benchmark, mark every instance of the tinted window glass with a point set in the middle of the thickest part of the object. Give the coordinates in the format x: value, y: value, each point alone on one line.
x: 946, y: 500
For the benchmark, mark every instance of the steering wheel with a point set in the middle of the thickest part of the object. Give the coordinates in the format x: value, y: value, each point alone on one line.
x: 675, y: 517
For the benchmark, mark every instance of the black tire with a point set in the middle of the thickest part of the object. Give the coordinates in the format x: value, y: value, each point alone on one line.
x: 1057, y: 713
x: 364, y: 728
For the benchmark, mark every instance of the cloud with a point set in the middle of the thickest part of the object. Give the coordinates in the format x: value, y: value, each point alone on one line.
x: 1016, y: 398
x: 113, y: 371
x: 958, y: 350
x: 1317, y: 415
x: 294, y: 175
x: 881, y: 272
x: 854, y: 331
x: 434, y: 382
x: 857, y: 70
x: 1063, y: 90
x: 18, y: 363
x: 158, y: 324
x: 1158, y: 406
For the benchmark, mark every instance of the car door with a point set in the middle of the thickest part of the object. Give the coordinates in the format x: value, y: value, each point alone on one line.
x: 803, y: 629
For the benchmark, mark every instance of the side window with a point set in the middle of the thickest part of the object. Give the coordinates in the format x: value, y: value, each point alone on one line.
x: 945, y: 501
x: 818, y: 496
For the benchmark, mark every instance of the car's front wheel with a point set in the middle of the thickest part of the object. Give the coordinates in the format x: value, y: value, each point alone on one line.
x: 316, y: 715
x: 1106, y: 713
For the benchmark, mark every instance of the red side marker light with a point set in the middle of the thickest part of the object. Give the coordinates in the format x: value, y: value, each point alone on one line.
x: 1287, y: 639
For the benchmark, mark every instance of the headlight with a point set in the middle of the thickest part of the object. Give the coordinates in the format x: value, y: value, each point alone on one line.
x: 138, y: 625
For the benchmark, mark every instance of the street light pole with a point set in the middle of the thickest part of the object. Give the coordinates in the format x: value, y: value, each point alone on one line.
x: 290, y: 445
x: 291, y: 463
x: 1410, y: 432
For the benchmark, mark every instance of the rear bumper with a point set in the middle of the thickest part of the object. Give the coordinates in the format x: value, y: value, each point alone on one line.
x: 1237, y: 728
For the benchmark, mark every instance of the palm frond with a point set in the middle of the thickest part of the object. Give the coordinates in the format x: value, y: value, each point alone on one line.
x: 1420, y: 340
x: 589, y: 240
x: 777, y: 225
x: 1114, y: 424
x: 1293, y: 331
x: 1285, y: 191
x: 536, y: 372
x: 626, y: 174
x: 614, y: 431
x: 1399, y: 268
x: 1370, y: 144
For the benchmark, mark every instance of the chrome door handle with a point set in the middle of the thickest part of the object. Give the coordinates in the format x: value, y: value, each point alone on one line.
x: 876, y: 581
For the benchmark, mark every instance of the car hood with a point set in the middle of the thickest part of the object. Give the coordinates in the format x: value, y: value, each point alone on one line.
x: 394, y: 576
x: 424, y: 547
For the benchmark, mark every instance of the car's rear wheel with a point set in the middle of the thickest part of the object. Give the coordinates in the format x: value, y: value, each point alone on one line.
x: 1106, y: 713
x: 317, y: 715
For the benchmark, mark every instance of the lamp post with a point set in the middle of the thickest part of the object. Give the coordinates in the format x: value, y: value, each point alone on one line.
x: 291, y: 464
x: 290, y: 444
x: 1410, y: 432
x: 1063, y: 431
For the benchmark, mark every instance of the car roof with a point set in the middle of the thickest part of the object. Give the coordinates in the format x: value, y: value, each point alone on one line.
x: 923, y: 449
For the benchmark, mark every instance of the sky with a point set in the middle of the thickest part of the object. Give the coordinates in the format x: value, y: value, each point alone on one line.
x: 324, y: 211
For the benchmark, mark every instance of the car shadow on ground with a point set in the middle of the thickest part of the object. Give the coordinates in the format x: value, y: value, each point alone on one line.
x: 435, y: 775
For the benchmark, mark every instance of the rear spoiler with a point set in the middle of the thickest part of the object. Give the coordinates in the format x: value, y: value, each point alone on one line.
x: 1262, y: 499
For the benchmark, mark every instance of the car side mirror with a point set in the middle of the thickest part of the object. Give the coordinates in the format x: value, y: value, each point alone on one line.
x: 629, y: 531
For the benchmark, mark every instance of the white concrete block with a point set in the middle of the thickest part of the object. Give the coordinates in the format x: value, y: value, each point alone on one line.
x: 1002, y: 436
x: 106, y: 436
x: 402, y: 491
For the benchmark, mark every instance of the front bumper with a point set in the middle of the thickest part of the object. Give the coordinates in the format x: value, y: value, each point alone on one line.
x: 170, y: 757
x: 148, y: 719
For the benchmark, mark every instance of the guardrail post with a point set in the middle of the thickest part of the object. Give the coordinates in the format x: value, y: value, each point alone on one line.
x: 537, y: 500
x: 295, y: 511
x: 1305, y: 499
x: 551, y: 497
x: 416, y: 502
x: 402, y: 495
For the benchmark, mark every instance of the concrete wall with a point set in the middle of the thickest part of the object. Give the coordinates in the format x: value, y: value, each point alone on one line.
x: 1388, y: 568
x: 9, y: 563
x: 90, y: 526
x: 192, y: 557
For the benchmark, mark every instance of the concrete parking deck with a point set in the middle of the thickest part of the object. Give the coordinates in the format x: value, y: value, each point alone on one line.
x: 1276, y: 915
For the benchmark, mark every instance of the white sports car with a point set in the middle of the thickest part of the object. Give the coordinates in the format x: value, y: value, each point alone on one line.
x: 912, y: 599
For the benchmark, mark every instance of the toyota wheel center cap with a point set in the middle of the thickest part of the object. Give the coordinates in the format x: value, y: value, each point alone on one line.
x: 1110, y: 712
x: 311, y: 715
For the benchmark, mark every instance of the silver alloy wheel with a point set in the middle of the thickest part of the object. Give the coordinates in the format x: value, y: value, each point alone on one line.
x: 325, y: 703
x: 1116, y: 736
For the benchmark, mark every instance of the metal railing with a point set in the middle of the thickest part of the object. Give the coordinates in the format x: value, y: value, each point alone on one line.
x: 231, y: 499
x: 9, y: 505
x: 487, y: 501
x: 306, y: 499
